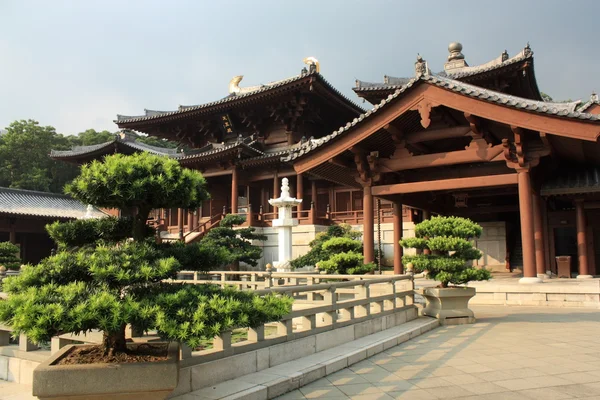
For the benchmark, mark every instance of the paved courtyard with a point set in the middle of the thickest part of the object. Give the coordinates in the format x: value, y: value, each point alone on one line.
x: 510, y: 353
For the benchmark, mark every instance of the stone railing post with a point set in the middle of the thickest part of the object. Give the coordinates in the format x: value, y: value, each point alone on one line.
x: 285, y: 328
x: 223, y: 341
x: 256, y: 334
x: 4, y: 338
x: 364, y: 310
x: 25, y: 344
x: 330, y: 298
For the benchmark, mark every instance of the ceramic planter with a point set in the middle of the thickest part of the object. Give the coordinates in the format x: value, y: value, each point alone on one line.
x: 449, y: 305
x: 143, y: 380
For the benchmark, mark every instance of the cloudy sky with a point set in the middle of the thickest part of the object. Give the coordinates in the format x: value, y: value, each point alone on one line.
x: 76, y: 64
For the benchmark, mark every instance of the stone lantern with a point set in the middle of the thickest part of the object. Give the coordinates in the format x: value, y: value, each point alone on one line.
x: 284, y: 224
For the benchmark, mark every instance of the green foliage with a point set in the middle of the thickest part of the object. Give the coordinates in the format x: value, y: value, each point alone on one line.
x: 346, y: 263
x: 316, y: 252
x: 107, y: 281
x: 237, y: 243
x: 108, y: 287
x: 92, y: 231
x: 342, y: 245
x: 189, y: 313
x: 142, y: 180
x: 9, y: 256
x: 447, y: 239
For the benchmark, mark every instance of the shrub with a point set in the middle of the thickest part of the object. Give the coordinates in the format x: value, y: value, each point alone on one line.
x: 341, y: 245
x: 9, y: 256
x: 316, y: 252
x: 90, y: 231
x: 346, y: 263
x: 448, y: 239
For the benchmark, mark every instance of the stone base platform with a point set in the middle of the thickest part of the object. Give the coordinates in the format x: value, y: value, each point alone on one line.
x: 551, y: 293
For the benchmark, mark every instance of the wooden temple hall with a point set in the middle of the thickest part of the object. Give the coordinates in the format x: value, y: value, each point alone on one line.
x: 474, y: 141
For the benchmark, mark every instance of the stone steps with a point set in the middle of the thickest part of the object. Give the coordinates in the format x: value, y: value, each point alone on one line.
x: 272, y: 382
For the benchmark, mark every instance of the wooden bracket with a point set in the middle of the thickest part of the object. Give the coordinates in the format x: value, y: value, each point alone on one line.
x: 424, y: 108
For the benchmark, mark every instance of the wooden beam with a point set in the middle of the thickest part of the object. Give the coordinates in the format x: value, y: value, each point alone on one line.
x: 446, y: 184
x: 440, y: 159
x: 437, y: 134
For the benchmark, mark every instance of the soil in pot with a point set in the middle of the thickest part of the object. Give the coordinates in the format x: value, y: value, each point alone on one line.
x: 143, y: 352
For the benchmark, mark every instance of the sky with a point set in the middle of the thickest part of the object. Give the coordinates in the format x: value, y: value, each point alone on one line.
x: 76, y: 64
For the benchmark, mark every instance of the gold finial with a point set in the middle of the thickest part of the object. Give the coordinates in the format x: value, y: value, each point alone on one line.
x: 234, y: 84
x: 310, y: 61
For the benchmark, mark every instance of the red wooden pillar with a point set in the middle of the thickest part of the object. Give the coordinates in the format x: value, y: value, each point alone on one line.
x: 313, y: 194
x: 581, y: 240
x: 180, y: 222
x: 538, y: 235
x: 398, y: 250
x: 275, y: 186
x: 368, y: 226
x: 234, y: 190
x: 300, y: 190
x: 190, y: 220
x: 527, y: 235
x: 426, y: 215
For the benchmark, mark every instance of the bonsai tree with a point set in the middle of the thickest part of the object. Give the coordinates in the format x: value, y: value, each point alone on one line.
x: 9, y: 256
x: 316, y: 252
x: 110, y: 283
x: 450, y: 250
x: 237, y: 242
x: 140, y: 183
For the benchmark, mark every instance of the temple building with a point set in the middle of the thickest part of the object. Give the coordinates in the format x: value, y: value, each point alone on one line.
x: 474, y: 141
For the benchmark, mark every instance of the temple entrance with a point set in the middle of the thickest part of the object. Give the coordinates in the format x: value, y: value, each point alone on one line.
x: 565, y: 244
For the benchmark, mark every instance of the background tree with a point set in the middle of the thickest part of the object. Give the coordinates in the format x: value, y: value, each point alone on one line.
x: 451, y: 250
x: 237, y: 242
x: 142, y: 182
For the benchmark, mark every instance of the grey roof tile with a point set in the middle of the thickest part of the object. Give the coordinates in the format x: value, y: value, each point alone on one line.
x: 149, y: 115
x: 42, y: 204
x: 81, y: 150
x: 563, y: 110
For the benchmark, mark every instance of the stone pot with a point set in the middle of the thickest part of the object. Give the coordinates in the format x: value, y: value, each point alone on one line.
x: 449, y: 305
x: 143, y: 380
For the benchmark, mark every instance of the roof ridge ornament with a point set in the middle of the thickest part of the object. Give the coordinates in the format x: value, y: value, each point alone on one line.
x: 234, y: 84
x: 527, y: 52
x: 594, y: 97
x: 504, y: 56
x: 421, y: 67
x: 313, y: 64
x: 456, y: 58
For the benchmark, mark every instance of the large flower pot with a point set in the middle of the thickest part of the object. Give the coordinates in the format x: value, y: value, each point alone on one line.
x: 449, y: 305
x: 142, y: 380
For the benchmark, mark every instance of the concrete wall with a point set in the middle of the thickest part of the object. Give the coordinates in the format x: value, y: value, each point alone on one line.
x: 492, y: 244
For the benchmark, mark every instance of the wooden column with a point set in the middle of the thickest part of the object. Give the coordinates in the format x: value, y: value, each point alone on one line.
x: 234, y: 190
x: 276, y: 185
x: 538, y: 235
x: 398, y: 250
x: 300, y: 190
x: 314, y: 195
x: 581, y: 240
x: 527, y: 236
x: 12, y: 236
x: 180, y: 223
x: 190, y: 220
x: 426, y: 215
x: 368, y: 226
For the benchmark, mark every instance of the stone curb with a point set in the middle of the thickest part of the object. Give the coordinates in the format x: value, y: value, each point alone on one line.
x: 283, y: 378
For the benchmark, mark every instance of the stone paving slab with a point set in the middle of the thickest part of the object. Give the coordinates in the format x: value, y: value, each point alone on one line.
x: 519, y: 353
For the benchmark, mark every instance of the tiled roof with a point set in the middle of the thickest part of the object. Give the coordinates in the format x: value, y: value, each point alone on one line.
x: 81, y: 150
x: 42, y: 204
x: 390, y: 83
x: 593, y: 100
x: 215, y: 149
x: 150, y: 114
x: 573, y: 182
x: 563, y: 110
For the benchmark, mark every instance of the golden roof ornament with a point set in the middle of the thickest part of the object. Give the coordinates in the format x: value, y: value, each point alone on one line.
x: 313, y: 64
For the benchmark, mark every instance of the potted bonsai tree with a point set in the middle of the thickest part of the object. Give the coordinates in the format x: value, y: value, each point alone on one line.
x: 446, y: 254
x: 110, y: 281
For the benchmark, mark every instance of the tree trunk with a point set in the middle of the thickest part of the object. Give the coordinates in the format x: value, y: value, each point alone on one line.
x: 114, y: 342
x: 139, y: 223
